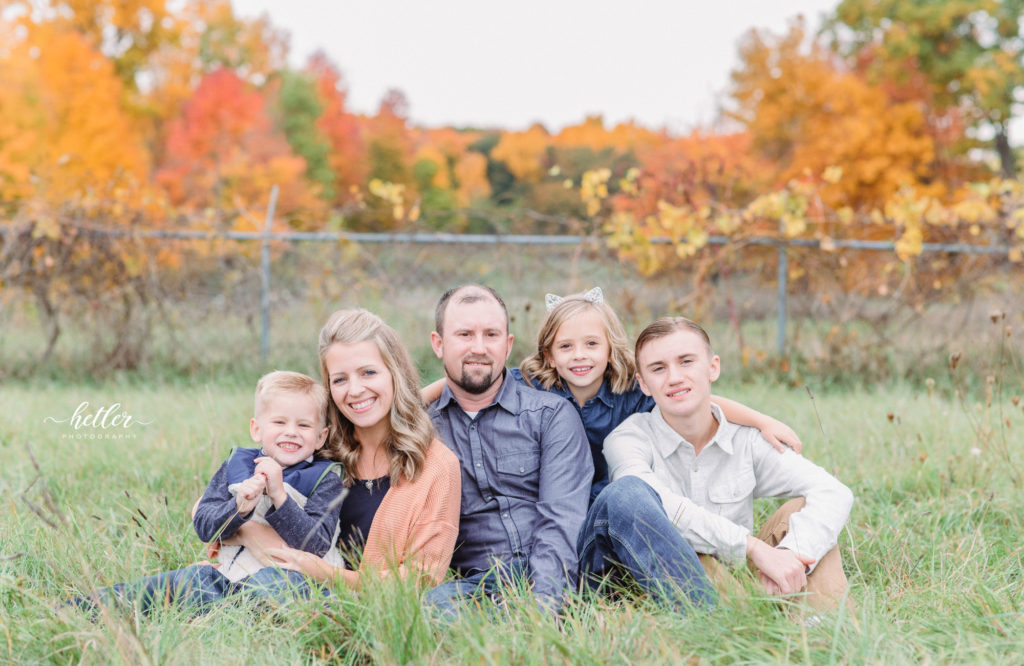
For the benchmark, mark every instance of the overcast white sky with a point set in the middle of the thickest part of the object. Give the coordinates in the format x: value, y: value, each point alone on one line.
x: 663, y: 63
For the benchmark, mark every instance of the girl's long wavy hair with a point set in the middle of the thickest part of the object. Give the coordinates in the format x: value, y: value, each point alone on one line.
x: 410, y: 431
x: 621, y: 371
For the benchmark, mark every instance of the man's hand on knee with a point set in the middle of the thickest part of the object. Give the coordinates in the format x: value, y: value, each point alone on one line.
x: 780, y: 571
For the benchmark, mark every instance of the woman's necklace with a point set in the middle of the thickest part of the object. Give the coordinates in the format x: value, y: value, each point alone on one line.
x: 372, y: 476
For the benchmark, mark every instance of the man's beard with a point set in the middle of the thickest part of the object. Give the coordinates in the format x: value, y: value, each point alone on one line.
x: 474, y: 384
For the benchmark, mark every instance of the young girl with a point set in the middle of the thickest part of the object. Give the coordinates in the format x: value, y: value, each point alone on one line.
x: 583, y: 355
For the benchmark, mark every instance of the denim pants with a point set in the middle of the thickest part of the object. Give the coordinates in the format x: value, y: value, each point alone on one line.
x: 446, y: 599
x: 199, y: 587
x: 627, y: 529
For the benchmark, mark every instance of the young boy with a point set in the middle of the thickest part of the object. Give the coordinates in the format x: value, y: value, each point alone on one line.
x: 281, y: 484
x: 684, y: 480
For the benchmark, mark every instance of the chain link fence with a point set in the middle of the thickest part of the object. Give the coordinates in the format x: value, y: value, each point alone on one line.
x: 246, y: 300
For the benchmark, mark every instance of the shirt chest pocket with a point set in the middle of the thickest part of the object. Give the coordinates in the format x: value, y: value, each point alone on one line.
x: 728, y: 491
x: 519, y: 474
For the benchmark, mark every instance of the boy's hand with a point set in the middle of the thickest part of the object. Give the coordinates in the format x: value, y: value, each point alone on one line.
x: 249, y: 493
x: 271, y: 471
x: 780, y: 571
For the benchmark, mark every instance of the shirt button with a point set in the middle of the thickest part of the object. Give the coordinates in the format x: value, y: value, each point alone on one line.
x: 488, y: 498
x: 504, y: 515
x: 522, y: 469
x: 478, y: 464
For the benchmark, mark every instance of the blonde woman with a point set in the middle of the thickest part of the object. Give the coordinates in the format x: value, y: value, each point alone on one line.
x: 401, y: 513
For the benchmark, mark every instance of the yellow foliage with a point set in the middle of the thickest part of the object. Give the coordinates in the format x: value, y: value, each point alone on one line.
x: 908, y: 245
x: 594, y: 189
x: 523, y: 153
x: 592, y: 134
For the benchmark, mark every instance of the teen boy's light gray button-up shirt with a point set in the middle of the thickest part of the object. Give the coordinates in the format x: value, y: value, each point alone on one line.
x: 710, y: 497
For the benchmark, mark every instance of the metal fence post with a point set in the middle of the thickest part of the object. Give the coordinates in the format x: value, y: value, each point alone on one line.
x: 265, y: 279
x: 783, y: 278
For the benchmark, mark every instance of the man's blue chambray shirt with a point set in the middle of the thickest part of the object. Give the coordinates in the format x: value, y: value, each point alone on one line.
x: 601, y: 414
x: 525, y: 483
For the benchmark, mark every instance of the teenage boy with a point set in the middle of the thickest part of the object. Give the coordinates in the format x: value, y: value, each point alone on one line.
x: 684, y: 480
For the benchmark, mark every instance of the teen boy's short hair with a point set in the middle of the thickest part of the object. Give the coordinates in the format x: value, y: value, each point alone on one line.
x: 667, y: 326
x: 285, y: 381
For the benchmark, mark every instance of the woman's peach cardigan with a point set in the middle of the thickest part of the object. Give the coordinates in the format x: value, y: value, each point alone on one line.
x: 417, y: 522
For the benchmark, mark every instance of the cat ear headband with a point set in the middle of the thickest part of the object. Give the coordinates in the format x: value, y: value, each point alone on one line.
x: 595, y: 295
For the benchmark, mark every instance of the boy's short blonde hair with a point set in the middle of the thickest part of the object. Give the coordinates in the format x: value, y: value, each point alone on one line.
x: 285, y: 381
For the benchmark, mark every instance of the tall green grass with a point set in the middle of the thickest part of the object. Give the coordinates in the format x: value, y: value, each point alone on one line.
x: 933, y: 549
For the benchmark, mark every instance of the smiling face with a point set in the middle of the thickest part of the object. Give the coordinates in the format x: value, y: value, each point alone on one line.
x: 361, y: 385
x: 475, y: 344
x: 579, y: 354
x: 289, y: 427
x: 677, y: 370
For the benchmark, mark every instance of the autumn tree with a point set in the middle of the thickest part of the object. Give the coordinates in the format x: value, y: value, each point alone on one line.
x: 347, y: 148
x: 298, y: 109
x: 125, y: 31
x: 970, y: 52
x: 390, y: 142
x: 524, y: 153
x: 223, y: 153
x: 253, y: 49
x: 389, y: 153
x: 72, y: 158
x: 63, y: 130
x: 805, y: 113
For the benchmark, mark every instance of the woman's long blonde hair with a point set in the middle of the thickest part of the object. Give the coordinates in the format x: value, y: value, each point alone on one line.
x: 410, y: 430
x: 621, y: 371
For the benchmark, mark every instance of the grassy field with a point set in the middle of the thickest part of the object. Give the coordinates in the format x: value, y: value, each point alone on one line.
x: 933, y: 549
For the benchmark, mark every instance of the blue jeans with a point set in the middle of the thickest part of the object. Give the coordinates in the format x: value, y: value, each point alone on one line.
x: 200, y: 587
x: 627, y: 529
x: 446, y: 599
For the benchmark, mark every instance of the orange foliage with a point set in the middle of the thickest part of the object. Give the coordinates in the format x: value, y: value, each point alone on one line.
x: 63, y: 132
x: 458, y: 169
x: 471, y: 175
x: 700, y: 169
x: 223, y: 153
x: 806, y: 115
x: 389, y: 140
x: 524, y: 153
x: 592, y: 134
x: 347, y: 157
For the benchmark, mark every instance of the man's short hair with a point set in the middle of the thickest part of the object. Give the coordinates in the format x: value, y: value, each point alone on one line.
x: 667, y: 326
x: 472, y: 295
x: 285, y: 381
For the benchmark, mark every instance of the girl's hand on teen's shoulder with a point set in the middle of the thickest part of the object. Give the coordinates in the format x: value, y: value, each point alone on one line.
x: 781, y: 435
